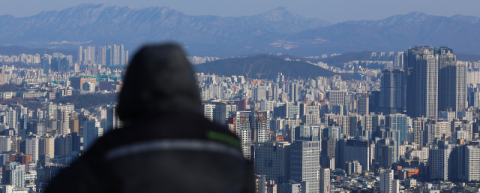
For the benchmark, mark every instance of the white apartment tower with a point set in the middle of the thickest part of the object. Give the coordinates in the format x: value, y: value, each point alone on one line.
x: 305, y: 163
x: 324, y: 180
x: 388, y: 184
x: 31, y: 147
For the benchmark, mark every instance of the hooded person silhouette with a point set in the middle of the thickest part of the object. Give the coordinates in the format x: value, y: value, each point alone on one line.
x: 166, y: 144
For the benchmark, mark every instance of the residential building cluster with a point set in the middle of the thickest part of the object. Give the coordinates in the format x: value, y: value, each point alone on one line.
x: 36, y: 143
x: 416, y: 129
x: 111, y: 55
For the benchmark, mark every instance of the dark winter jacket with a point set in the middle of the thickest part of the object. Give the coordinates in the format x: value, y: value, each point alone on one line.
x: 167, y: 145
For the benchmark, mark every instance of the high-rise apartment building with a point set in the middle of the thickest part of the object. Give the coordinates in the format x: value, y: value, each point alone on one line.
x: 89, y: 55
x: 243, y: 130
x: 398, y: 59
x: 31, y: 147
x: 324, y: 180
x: 272, y: 160
x: 112, y: 118
x: 63, y: 145
x: 109, y: 56
x: 91, y: 131
x: 387, y: 183
x: 13, y: 173
x: 122, y: 55
x: 357, y: 149
x: 398, y: 122
x: 46, y: 146
x: 45, y: 62
x: 80, y: 54
x: 305, y: 163
x: 452, y: 82
x: 293, y: 92
x: 218, y: 112
x: 116, y: 54
x: 59, y: 64
x: 310, y: 113
x: 421, y: 71
x: 260, y: 121
x: 336, y: 97
x: 439, y: 160
x: 5, y: 143
x: 392, y: 91
x: 472, y: 163
x: 363, y: 104
x: 102, y: 55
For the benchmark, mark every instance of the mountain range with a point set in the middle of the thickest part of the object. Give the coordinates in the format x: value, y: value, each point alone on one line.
x: 276, y: 31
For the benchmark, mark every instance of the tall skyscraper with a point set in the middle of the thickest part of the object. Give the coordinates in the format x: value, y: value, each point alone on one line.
x: 5, y: 143
x: 13, y: 173
x: 80, y: 54
x: 59, y: 64
x: 31, y: 147
x: 109, y: 56
x: 421, y: 71
x: 336, y: 97
x: 112, y: 118
x: 47, y: 146
x: 122, y: 55
x: 102, y: 55
x: 324, y: 180
x: 357, y: 149
x: 452, y: 82
x: 293, y: 92
x: 116, y: 54
x: 472, y: 164
x: 398, y: 59
x: 45, y: 65
x: 243, y: 131
x: 63, y: 145
x: 260, y: 121
x: 272, y: 160
x: 392, y: 91
x: 363, y: 104
x: 305, y: 163
x: 438, y: 161
x: 91, y: 131
x: 386, y: 152
x: 398, y: 122
x: 387, y: 183
x: 91, y: 54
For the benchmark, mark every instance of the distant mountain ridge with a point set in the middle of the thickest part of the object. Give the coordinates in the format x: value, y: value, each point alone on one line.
x: 102, y: 24
x: 276, y: 31
x: 396, y: 33
x: 414, y: 17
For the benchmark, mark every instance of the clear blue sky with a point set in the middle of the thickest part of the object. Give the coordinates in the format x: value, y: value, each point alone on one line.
x: 330, y: 10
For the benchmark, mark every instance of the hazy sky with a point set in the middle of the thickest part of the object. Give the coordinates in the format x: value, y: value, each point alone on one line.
x: 330, y: 10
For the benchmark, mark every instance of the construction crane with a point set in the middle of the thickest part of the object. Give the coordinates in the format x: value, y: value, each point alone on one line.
x: 260, y: 73
x: 249, y: 72
x: 288, y: 76
x: 269, y: 73
x: 244, y: 68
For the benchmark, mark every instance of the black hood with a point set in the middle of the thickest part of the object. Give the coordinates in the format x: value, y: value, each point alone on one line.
x: 159, y: 79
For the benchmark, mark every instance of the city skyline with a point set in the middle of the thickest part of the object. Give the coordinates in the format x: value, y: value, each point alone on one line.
x: 312, y: 133
x: 258, y: 96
